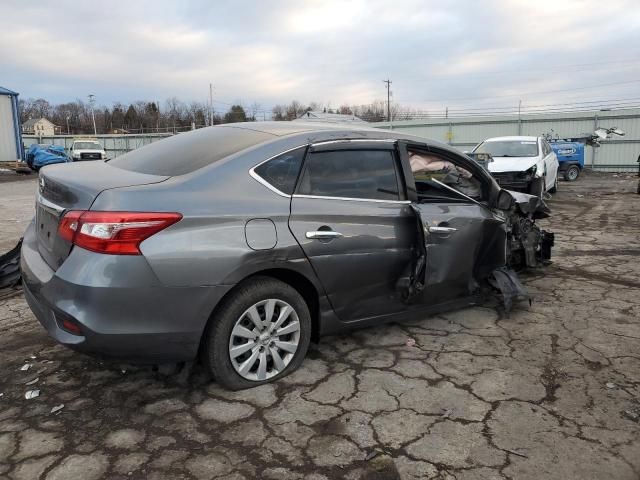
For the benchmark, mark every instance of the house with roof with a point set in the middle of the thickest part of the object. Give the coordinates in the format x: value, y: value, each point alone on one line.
x: 39, y: 126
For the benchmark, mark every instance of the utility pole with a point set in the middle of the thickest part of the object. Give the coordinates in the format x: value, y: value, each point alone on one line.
x: 519, y: 118
x: 92, y: 100
x: 388, y: 82
x: 210, y: 104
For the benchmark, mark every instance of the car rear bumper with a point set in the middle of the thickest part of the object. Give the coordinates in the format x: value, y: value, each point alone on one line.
x: 122, y: 308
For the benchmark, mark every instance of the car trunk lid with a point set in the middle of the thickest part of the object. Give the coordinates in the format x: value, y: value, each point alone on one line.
x: 74, y: 187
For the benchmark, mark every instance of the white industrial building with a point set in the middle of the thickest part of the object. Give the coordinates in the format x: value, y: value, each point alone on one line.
x: 10, y: 139
x: 463, y: 133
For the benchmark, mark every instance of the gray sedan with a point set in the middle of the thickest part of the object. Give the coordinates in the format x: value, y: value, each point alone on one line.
x: 243, y: 243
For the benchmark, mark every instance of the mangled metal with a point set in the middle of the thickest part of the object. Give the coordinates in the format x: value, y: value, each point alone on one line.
x: 506, y: 281
x: 528, y: 246
x: 493, y: 244
x: 10, y: 267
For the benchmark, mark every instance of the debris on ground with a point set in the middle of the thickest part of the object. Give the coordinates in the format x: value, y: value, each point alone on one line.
x: 370, y: 455
x: 411, y: 342
x: 611, y: 385
x: 32, y: 394
x: 35, y: 380
x: 57, y: 408
x: 25, y: 367
x: 506, y: 281
x: 515, y: 453
x: 10, y: 267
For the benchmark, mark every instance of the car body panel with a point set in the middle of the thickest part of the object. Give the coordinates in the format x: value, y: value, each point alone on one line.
x: 457, y: 260
x: 129, y: 315
x: 359, y: 269
x: 513, y: 164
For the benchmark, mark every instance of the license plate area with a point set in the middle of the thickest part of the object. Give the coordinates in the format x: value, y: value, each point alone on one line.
x: 47, y: 226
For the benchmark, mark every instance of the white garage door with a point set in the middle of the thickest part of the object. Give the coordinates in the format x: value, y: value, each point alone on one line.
x: 8, y: 147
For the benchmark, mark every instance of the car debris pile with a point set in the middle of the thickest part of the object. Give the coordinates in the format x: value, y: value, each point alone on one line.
x: 527, y: 247
x: 10, y: 267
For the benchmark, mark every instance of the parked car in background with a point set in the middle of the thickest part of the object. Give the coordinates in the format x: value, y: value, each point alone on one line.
x: 524, y: 164
x: 243, y: 243
x: 87, y: 149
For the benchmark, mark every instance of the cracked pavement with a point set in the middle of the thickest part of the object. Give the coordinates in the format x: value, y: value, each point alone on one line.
x: 550, y: 391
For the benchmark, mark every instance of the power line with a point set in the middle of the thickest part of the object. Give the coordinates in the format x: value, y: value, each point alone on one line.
x: 531, y: 93
x: 552, y: 68
x: 591, y: 105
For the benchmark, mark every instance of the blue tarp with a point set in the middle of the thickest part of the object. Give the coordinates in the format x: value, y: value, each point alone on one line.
x: 40, y: 155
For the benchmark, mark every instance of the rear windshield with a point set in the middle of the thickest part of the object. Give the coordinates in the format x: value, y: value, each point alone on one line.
x: 187, y: 152
x: 509, y: 148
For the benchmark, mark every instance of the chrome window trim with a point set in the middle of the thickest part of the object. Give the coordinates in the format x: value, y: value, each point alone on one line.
x: 349, y: 140
x: 351, y: 199
x: 262, y: 181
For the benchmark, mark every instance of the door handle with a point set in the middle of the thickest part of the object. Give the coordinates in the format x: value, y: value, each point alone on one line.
x: 323, y: 234
x: 442, y: 230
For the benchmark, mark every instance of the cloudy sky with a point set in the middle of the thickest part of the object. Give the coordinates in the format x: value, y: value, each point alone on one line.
x: 461, y: 54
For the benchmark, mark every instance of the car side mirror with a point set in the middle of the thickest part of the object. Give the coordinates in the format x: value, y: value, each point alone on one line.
x: 505, y: 200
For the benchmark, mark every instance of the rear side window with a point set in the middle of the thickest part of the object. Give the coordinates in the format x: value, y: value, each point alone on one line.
x: 282, y: 172
x: 365, y: 174
x: 187, y: 152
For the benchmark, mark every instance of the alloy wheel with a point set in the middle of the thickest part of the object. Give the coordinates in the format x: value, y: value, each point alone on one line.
x: 264, y: 339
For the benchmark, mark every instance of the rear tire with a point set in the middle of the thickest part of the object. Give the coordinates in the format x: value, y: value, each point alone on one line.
x: 572, y: 173
x: 241, y: 325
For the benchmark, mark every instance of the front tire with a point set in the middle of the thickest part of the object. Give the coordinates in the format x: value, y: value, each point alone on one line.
x: 259, y: 334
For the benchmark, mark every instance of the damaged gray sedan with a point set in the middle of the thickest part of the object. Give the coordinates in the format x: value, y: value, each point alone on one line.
x: 243, y: 243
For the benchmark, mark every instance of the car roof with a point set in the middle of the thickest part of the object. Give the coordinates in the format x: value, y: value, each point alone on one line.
x: 513, y: 138
x: 288, y: 128
x: 320, y: 132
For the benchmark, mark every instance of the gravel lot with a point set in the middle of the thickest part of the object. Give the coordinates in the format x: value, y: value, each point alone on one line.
x: 551, y: 391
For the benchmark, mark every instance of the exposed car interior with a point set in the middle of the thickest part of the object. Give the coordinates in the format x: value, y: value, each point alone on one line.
x: 427, y: 167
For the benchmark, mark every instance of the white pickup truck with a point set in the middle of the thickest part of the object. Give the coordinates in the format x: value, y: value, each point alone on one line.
x: 87, y: 149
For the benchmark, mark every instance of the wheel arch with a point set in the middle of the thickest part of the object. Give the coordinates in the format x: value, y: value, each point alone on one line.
x: 303, y: 285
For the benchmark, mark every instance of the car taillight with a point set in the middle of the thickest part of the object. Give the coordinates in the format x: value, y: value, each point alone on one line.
x: 116, y: 233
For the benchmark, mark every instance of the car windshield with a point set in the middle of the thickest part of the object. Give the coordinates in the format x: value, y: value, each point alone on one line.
x: 509, y: 148
x: 87, y: 146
